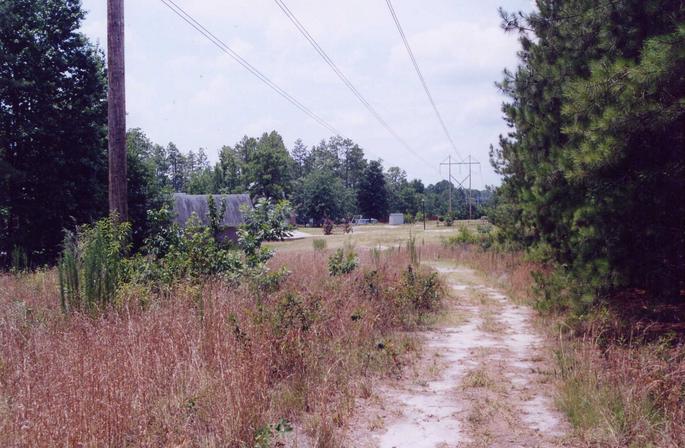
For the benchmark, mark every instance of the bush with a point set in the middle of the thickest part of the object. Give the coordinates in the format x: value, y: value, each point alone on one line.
x: 343, y: 261
x: 198, y: 255
x: 421, y: 289
x: 267, y: 221
x: 327, y: 226
x: 486, y: 237
x: 91, y: 266
x: 163, y: 232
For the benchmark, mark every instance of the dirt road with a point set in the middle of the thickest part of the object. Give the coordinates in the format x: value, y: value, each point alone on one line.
x: 482, y: 380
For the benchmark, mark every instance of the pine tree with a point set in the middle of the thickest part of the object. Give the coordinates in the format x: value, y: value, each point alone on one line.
x: 595, y: 154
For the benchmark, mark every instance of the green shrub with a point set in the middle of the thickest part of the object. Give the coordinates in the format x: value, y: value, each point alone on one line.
x: 163, y: 232
x: 421, y: 289
x: 267, y: 221
x: 196, y: 254
x: 343, y: 261
x: 92, y: 264
x: 263, y: 281
x: 485, y: 236
x: 215, y: 217
x: 319, y: 244
x: 294, y: 313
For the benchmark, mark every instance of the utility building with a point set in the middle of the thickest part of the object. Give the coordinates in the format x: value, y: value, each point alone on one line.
x: 396, y: 219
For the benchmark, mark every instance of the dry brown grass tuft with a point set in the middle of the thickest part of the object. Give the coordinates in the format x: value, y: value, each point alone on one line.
x: 211, y: 365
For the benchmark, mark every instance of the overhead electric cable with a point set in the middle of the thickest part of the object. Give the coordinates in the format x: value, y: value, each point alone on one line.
x: 249, y: 67
x: 421, y: 78
x: 303, y: 30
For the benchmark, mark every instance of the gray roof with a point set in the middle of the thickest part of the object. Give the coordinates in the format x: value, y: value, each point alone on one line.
x: 186, y: 204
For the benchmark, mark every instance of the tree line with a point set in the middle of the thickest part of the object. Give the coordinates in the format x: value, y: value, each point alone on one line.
x: 331, y: 179
x: 593, y: 169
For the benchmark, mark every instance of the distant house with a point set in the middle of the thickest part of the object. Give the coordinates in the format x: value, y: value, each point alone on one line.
x: 187, y: 204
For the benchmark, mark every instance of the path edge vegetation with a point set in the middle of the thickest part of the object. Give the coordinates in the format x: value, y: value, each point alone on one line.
x: 619, y: 383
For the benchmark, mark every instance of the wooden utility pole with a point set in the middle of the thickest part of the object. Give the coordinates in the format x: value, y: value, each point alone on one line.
x: 116, y: 109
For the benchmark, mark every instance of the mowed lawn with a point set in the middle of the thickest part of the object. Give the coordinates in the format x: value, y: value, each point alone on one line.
x: 381, y: 236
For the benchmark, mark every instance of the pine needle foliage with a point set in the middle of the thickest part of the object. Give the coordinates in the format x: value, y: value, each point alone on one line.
x: 593, y: 164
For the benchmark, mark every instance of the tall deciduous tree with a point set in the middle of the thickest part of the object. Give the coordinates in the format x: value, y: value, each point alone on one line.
x: 269, y: 168
x: 372, y: 195
x: 319, y: 195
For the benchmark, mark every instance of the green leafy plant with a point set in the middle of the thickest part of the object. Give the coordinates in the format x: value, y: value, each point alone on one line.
x: 293, y: 313
x: 421, y: 289
x: 267, y: 221
x: 215, y: 217
x: 91, y: 266
x: 264, y: 435
x: 343, y: 261
x: 163, y: 232
x: 196, y: 254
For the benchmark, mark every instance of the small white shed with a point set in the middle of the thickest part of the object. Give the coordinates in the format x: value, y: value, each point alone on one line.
x: 396, y: 219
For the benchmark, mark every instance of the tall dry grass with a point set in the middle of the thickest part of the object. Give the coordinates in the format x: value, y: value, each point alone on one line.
x: 210, y: 365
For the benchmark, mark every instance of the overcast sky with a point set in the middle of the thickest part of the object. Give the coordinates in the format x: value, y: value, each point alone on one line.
x: 181, y: 88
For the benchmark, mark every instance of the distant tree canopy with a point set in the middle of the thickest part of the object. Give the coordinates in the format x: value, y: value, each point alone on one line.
x: 53, y: 113
x: 593, y: 167
x: 332, y: 179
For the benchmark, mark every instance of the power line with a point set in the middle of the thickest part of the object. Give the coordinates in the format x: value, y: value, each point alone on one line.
x: 303, y: 30
x: 249, y: 67
x: 421, y: 78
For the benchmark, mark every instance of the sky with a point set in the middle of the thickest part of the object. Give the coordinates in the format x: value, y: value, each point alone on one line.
x: 181, y: 88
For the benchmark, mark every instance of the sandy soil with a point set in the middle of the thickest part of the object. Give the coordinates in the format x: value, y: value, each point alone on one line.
x: 482, y: 380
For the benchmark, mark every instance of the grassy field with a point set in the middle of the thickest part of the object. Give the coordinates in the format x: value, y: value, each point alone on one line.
x: 381, y: 236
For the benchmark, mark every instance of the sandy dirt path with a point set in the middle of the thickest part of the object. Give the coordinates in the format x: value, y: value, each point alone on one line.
x: 482, y: 380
